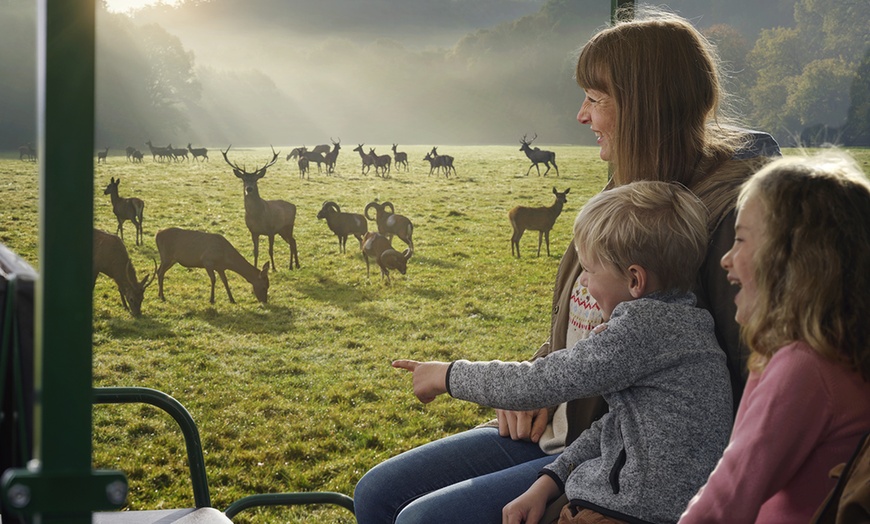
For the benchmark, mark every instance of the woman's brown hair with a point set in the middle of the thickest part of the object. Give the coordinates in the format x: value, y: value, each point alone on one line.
x: 663, y: 75
x: 812, y: 268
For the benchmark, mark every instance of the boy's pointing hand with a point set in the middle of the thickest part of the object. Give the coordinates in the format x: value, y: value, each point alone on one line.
x: 430, y: 378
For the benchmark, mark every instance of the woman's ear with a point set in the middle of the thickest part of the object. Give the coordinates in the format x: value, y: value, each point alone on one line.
x: 638, y: 280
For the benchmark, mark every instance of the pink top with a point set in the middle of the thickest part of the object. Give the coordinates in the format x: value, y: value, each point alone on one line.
x: 801, y: 417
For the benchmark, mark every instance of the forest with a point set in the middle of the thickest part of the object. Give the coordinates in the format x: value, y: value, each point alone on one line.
x: 253, y: 73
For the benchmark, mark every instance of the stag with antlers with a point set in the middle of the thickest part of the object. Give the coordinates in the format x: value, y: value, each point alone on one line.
x: 538, y: 156
x: 266, y: 217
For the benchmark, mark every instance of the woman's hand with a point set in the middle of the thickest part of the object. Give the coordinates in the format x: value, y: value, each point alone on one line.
x: 522, y: 425
x: 430, y: 378
x: 529, y: 507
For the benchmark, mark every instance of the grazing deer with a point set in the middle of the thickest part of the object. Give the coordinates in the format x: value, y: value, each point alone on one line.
x: 540, y: 219
x: 101, y: 156
x: 125, y: 209
x: 266, y: 217
x: 400, y: 157
x: 332, y: 156
x: 538, y: 156
x: 445, y: 162
x: 381, y: 162
x: 198, y: 152
x: 130, y: 150
x: 212, y: 252
x: 367, y: 160
x: 137, y: 156
x: 111, y: 259
x: 27, y: 152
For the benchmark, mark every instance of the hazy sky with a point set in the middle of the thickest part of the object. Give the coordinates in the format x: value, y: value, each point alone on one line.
x: 122, y: 6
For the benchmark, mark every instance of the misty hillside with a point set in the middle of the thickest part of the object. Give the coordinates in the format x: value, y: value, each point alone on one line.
x: 436, y: 72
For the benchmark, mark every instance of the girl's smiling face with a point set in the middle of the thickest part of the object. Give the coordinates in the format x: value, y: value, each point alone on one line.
x: 739, y: 260
x: 599, y: 113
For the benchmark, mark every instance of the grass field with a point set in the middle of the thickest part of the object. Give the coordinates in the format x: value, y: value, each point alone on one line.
x: 298, y: 394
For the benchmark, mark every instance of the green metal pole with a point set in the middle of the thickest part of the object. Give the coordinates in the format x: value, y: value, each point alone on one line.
x: 59, y: 485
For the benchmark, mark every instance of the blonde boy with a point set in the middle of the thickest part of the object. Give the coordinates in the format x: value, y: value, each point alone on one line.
x: 655, y: 361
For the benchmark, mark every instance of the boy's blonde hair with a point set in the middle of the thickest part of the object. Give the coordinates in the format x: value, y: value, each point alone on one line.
x: 660, y: 226
x: 812, y: 268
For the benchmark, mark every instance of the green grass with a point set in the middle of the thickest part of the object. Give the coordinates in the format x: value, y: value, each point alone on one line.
x: 298, y: 394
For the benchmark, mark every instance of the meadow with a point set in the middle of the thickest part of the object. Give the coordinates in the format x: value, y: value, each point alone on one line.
x: 298, y: 394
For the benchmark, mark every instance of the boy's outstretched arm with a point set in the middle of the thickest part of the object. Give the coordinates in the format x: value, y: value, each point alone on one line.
x: 430, y: 378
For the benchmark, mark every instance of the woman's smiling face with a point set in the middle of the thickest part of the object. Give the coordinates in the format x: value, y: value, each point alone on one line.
x: 599, y: 113
x: 739, y: 260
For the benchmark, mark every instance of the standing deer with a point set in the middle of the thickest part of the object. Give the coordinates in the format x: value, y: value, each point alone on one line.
x: 266, y: 217
x: 382, y: 162
x: 303, y: 163
x: 313, y: 156
x: 130, y: 150
x: 27, y: 152
x: 131, y: 209
x: 332, y: 156
x: 212, y: 252
x: 400, y: 157
x: 111, y: 259
x: 367, y: 159
x: 198, y: 152
x: 101, y: 155
x: 445, y: 162
x: 540, y: 219
x: 538, y: 156
x: 158, y: 152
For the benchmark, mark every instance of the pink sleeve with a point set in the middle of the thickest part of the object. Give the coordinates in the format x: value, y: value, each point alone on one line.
x: 782, y: 416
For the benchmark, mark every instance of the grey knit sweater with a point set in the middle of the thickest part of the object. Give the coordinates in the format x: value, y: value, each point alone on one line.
x: 663, y: 375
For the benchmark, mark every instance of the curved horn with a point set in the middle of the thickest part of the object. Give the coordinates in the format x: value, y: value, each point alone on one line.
x: 390, y: 204
x: 334, y: 206
x: 369, y: 206
x: 407, y: 254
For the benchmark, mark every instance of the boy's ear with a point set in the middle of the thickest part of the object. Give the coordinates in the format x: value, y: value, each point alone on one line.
x: 638, y: 280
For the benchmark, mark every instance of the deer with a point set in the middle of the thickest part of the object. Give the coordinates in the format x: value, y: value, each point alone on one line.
x: 212, y: 252
x: 137, y: 156
x: 381, y: 162
x: 400, y: 157
x: 378, y: 247
x: 445, y: 162
x: 303, y: 164
x: 367, y: 160
x: 313, y: 156
x: 101, y: 156
x: 198, y: 152
x: 540, y: 219
x: 390, y: 224
x: 161, y: 152
x: 266, y: 217
x: 111, y: 259
x: 294, y: 153
x: 538, y: 156
x: 27, y: 152
x: 131, y: 209
x: 178, y: 152
x: 130, y: 150
x: 332, y: 156
x: 321, y: 149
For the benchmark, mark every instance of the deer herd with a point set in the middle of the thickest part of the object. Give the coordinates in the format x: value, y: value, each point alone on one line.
x: 214, y: 253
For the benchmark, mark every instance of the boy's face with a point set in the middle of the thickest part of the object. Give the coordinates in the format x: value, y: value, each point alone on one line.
x: 607, y: 286
x: 739, y: 261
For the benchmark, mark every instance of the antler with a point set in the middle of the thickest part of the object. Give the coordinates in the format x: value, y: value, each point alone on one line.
x: 272, y: 162
x: 227, y: 160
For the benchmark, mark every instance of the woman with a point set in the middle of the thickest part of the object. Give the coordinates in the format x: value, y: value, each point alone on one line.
x: 800, y: 258
x: 648, y: 129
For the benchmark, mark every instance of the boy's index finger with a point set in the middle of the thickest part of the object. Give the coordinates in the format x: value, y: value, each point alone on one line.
x: 407, y: 365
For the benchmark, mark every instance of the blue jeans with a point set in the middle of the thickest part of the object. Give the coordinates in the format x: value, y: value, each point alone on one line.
x: 467, y: 477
